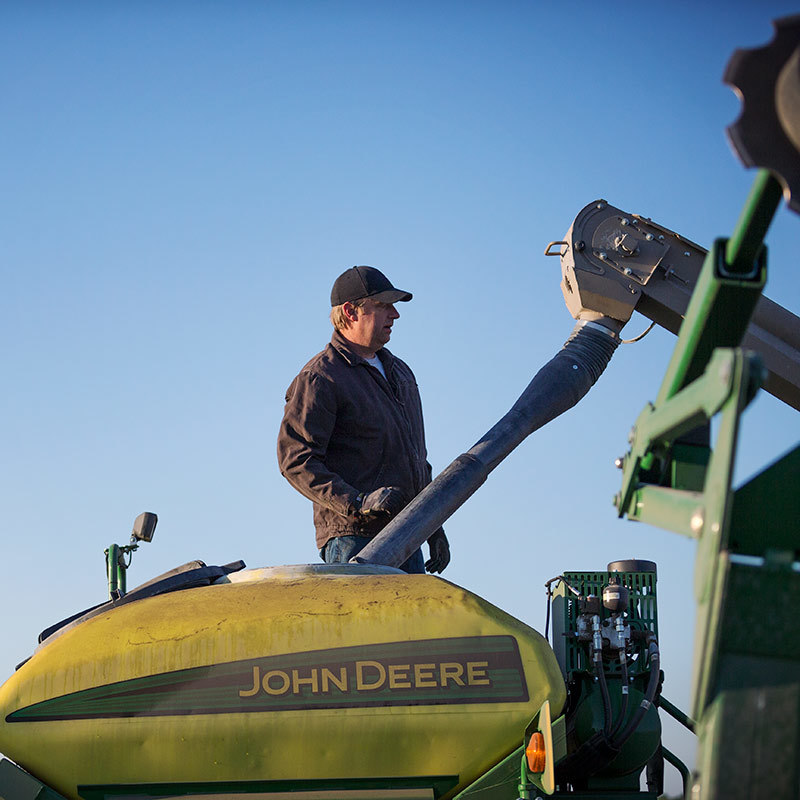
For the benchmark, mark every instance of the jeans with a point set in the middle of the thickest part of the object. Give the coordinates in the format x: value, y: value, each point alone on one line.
x: 340, y: 549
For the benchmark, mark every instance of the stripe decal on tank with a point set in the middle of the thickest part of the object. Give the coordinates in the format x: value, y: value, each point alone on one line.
x: 474, y: 669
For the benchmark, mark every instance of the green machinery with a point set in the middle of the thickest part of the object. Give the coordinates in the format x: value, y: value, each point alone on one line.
x: 744, y: 675
x: 746, y: 682
x: 605, y: 636
x: 575, y: 720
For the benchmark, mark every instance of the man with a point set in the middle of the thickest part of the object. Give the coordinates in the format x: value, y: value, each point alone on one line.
x: 352, y: 437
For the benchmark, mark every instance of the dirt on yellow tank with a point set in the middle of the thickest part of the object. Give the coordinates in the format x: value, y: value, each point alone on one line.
x: 314, y: 678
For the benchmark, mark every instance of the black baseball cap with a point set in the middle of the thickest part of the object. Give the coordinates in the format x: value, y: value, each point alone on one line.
x: 357, y: 283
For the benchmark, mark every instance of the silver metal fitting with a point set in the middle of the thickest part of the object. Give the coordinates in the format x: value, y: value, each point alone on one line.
x: 596, y: 326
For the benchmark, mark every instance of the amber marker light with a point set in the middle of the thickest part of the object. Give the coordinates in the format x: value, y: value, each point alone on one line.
x: 535, y: 752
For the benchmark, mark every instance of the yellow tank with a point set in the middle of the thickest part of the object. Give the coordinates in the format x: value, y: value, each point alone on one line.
x: 329, y: 681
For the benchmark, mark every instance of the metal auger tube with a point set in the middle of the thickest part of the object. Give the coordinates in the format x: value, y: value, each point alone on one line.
x: 555, y: 388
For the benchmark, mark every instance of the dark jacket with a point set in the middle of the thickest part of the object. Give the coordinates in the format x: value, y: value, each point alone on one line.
x: 346, y: 430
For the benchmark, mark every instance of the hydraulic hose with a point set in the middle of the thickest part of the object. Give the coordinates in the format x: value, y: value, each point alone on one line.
x: 601, y: 679
x: 623, y: 662
x: 600, y: 673
x: 649, y: 695
x: 555, y: 388
x: 600, y: 749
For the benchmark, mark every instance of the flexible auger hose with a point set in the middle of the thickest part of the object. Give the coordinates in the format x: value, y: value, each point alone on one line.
x: 555, y: 388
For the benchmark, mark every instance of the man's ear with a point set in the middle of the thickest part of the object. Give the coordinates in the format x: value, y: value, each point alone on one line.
x: 350, y: 311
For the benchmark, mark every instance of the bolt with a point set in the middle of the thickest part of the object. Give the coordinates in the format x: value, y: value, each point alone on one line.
x: 579, y: 246
x: 574, y: 366
x: 660, y: 237
x: 602, y: 255
x: 624, y: 221
x: 619, y: 463
x: 686, y: 253
x: 601, y: 204
x: 628, y: 271
x: 649, y: 237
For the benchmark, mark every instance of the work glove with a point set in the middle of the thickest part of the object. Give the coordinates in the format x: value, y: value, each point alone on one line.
x: 440, y: 552
x: 388, y: 501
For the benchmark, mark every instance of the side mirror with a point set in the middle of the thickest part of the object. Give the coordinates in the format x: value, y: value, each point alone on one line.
x: 144, y: 526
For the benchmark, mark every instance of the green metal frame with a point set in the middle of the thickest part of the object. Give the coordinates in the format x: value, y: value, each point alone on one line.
x: 747, y: 647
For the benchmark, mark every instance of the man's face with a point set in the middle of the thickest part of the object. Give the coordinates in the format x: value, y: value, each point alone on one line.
x: 373, y: 328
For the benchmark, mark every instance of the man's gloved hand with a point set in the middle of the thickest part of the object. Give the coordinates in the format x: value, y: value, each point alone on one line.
x: 440, y: 552
x: 387, y: 501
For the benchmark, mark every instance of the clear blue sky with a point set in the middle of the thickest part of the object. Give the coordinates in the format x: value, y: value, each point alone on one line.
x: 182, y: 181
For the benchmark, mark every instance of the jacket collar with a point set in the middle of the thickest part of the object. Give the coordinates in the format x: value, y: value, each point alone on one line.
x: 343, y: 348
